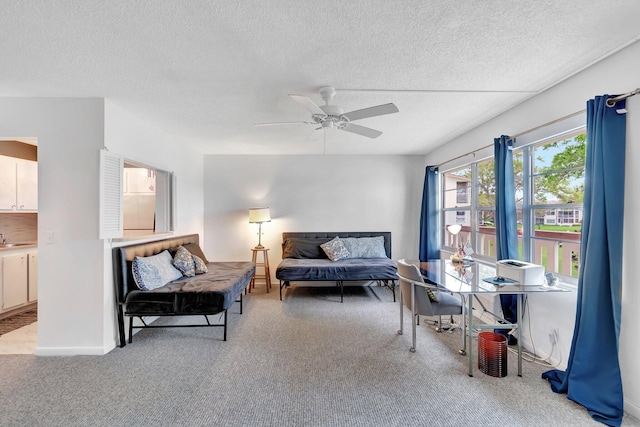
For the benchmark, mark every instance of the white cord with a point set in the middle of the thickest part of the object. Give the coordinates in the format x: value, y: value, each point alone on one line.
x: 532, y: 357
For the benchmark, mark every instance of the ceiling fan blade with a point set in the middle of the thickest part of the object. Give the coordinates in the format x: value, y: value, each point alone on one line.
x: 308, y: 104
x: 361, y: 130
x: 378, y: 110
x: 284, y: 123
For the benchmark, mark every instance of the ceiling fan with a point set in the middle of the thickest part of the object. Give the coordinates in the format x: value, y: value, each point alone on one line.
x: 334, y: 117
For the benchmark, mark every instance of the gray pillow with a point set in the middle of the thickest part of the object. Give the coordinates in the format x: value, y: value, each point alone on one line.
x: 300, y: 247
x: 365, y: 247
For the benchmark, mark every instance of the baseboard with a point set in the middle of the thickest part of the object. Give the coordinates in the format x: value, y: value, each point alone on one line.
x: 70, y: 351
x: 631, y: 408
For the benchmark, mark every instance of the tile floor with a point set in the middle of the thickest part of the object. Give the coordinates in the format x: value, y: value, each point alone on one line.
x: 20, y: 341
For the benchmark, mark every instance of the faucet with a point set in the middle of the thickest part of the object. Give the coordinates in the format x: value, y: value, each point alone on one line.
x: 2, y: 240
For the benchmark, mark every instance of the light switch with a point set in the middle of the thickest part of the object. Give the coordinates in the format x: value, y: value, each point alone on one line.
x: 50, y: 238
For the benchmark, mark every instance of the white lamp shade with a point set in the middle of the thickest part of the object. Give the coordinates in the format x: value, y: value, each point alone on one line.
x: 454, y: 228
x: 259, y: 215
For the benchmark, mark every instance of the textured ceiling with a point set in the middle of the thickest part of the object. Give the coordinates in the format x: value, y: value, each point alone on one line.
x: 206, y: 71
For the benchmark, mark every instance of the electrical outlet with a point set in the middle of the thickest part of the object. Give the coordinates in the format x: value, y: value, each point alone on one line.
x: 554, y: 335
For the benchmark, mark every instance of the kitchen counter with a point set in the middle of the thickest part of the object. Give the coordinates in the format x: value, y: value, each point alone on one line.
x: 20, y: 246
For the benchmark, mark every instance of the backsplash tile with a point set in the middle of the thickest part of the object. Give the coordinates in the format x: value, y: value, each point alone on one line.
x: 19, y: 227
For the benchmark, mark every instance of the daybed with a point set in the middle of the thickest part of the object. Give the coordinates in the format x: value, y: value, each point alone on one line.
x: 213, y: 291
x: 303, y: 259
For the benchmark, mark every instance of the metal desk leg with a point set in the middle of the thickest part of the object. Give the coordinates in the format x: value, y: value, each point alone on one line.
x: 400, y: 331
x: 463, y: 326
x: 470, y: 334
x: 519, y: 308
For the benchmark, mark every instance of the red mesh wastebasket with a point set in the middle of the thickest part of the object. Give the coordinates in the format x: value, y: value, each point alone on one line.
x: 492, y: 354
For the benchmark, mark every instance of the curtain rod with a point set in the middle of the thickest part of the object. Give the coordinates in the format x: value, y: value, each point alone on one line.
x: 611, y: 102
x: 514, y: 136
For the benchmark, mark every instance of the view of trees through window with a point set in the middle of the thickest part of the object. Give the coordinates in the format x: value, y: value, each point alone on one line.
x: 549, y: 189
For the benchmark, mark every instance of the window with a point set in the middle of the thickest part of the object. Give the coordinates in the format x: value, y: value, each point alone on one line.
x: 555, y: 202
x: 549, y: 189
x: 135, y: 200
x: 457, y: 207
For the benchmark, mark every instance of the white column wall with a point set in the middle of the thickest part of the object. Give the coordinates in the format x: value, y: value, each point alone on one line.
x: 71, y: 270
x: 616, y: 74
x: 310, y: 193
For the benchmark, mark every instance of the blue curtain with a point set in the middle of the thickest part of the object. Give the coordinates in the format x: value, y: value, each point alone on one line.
x: 592, y: 378
x: 506, y: 228
x: 429, y: 245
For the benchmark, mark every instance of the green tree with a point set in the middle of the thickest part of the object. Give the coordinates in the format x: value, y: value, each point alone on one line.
x: 564, y: 176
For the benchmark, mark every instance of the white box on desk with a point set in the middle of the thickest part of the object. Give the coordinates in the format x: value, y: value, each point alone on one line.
x: 525, y: 273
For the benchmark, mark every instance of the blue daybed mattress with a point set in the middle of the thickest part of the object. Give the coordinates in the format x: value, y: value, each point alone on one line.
x: 203, y: 294
x: 346, y: 269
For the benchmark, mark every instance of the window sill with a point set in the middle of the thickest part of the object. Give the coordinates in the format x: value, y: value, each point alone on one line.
x: 142, y: 235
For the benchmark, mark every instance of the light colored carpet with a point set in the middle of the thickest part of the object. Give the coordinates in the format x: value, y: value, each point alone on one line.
x: 305, y: 361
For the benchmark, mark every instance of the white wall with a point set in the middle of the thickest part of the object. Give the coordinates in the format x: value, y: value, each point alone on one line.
x: 76, y: 309
x: 617, y: 74
x: 310, y: 193
x: 138, y: 141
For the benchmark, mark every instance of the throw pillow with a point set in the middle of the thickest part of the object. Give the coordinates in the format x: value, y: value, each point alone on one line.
x: 432, y: 295
x: 335, y: 249
x: 154, y: 271
x: 183, y: 261
x: 200, y: 265
x: 365, y: 247
x: 300, y: 247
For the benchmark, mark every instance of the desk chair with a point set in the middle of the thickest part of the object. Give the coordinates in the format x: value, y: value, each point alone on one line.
x: 423, y: 299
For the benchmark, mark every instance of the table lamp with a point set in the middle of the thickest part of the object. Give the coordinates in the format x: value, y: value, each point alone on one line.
x: 259, y: 215
x: 455, y: 230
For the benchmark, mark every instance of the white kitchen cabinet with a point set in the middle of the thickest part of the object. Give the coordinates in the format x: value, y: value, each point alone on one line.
x: 18, y: 184
x: 33, y: 276
x: 18, y: 278
x: 7, y: 183
x: 27, y: 185
x: 14, y: 280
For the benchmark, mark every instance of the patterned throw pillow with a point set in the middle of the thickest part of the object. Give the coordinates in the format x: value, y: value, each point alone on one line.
x: 183, y: 261
x: 200, y: 265
x: 432, y: 295
x: 335, y: 249
x: 152, y: 272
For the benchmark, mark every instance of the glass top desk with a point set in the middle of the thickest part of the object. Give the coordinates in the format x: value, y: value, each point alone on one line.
x: 465, y: 279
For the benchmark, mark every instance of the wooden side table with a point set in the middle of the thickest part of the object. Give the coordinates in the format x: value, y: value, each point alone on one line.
x: 265, y: 266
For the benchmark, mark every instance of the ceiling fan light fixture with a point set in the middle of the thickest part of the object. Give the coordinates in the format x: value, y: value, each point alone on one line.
x: 334, y: 117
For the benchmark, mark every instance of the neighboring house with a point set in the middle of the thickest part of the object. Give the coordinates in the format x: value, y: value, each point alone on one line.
x: 561, y: 216
x: 459, y: 196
